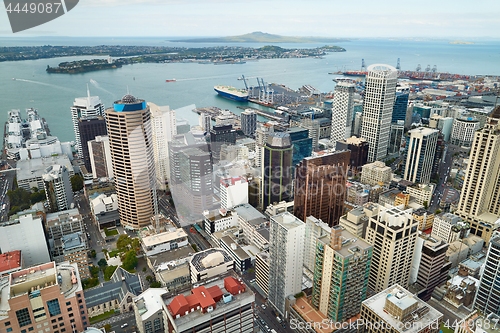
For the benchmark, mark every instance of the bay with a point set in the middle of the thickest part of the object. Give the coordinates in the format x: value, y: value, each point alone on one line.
x: 53, y: 94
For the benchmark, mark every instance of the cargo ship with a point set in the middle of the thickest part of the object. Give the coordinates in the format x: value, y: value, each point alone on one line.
x: 233, y: 93
x: 355, y: 73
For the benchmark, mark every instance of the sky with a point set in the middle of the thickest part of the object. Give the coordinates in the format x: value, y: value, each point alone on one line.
x: 327, y: 18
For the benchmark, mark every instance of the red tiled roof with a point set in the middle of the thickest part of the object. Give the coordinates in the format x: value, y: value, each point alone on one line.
x: 179, y: 305
x: 10, y: 260
x: 203, y: 297
x: 215, y: 292
x: 233, y: 286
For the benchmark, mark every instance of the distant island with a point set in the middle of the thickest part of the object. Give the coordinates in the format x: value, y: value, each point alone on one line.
x: 217, y: 55
x: 461, y: 42
x: 261, y: 37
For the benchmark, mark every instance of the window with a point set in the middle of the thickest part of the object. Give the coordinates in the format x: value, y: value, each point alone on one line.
x: 9, y: 329
x: 23, y: 317
x: 68, y: 303
x: 7, y: 323
x: 53, y: 306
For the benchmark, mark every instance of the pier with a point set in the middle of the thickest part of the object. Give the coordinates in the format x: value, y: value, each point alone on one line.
x: 263, y: 113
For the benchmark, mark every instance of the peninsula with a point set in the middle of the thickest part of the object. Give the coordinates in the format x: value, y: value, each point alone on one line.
x: 218, y: 55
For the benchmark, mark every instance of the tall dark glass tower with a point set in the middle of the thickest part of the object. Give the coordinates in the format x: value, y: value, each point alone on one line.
x: 89, y: 128
x: 277, y: 169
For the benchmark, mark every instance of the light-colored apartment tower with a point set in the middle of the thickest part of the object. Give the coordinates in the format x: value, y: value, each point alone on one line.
x: 342, y: 111
x: 392, y: 232
x: 342, y: 267
x: 380, y: 93
x: 480, y: 198
x: 131, y: 145
x: 376, y: 173
x: 286, y: 250
x: 164, y: 129
x: 420, y: 154
x: 83, y: 107
x: 57, y: 188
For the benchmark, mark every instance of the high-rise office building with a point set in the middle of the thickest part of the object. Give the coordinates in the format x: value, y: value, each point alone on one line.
x: 392, y: 232
x: 462, y: 132
x: 341, y: 274
x: 220, y: 135
x: 488, y: 295
x: 205, y: 122
x: 261, y: 134
x: 480, y: 198
x: 131, y: 145
x: 313, y: 126
x: 57, y: 188
x: 420, y: 155
x: 248, y: 122
x: 378, y: 105
x: 191, y: 174
x: 89, y: 128
x: 396, y: 137
x: 286, y: 250
x: 396, y: 310
x: 302, y: 144
x: 320, y: 186
x: 277, y: 169
x: 100, y: 157
x: 359, y: 151
x: 430, y: 265
x: 83, y: 107
x: 342, y: 111
x: 44, y: 298
x: 400, y: 103
x: 164, y: 128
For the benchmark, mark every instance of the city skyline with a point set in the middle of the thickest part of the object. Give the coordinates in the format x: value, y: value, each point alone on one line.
x: 444, y: 19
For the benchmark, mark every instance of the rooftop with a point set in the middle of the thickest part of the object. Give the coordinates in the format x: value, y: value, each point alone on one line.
x: 210, y: 258
x: 73, y: 241
x: 203, y: 303
x: 10, y: 261
x: 164, y: 237
x: 352, y: 246
x: 398, y: 299
x: 32, y: 280
x: 287, y: 220
x: 35, y: 167
x: 250, y: 214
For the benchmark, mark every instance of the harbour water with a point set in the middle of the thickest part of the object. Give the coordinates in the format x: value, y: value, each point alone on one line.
x: 53, y: 94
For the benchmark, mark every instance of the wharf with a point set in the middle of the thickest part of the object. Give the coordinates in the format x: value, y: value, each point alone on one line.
x: 263, y: 113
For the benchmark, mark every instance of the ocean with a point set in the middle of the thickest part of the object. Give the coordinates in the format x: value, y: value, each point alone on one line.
x: 53, y: 94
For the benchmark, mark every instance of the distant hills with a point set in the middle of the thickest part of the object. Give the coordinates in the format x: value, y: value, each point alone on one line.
x: 261, y: 37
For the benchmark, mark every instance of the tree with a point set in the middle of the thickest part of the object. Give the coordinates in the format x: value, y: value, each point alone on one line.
x: 93, y: 253
x: 426, y: 204
x: 155, y: 284
x: 108, y: 327
x: 108, y: 272
x: 129, y: 261
x: 149, y: 278
x: 123, y: 242
x: 102, y: 263
x: 76, y: 182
